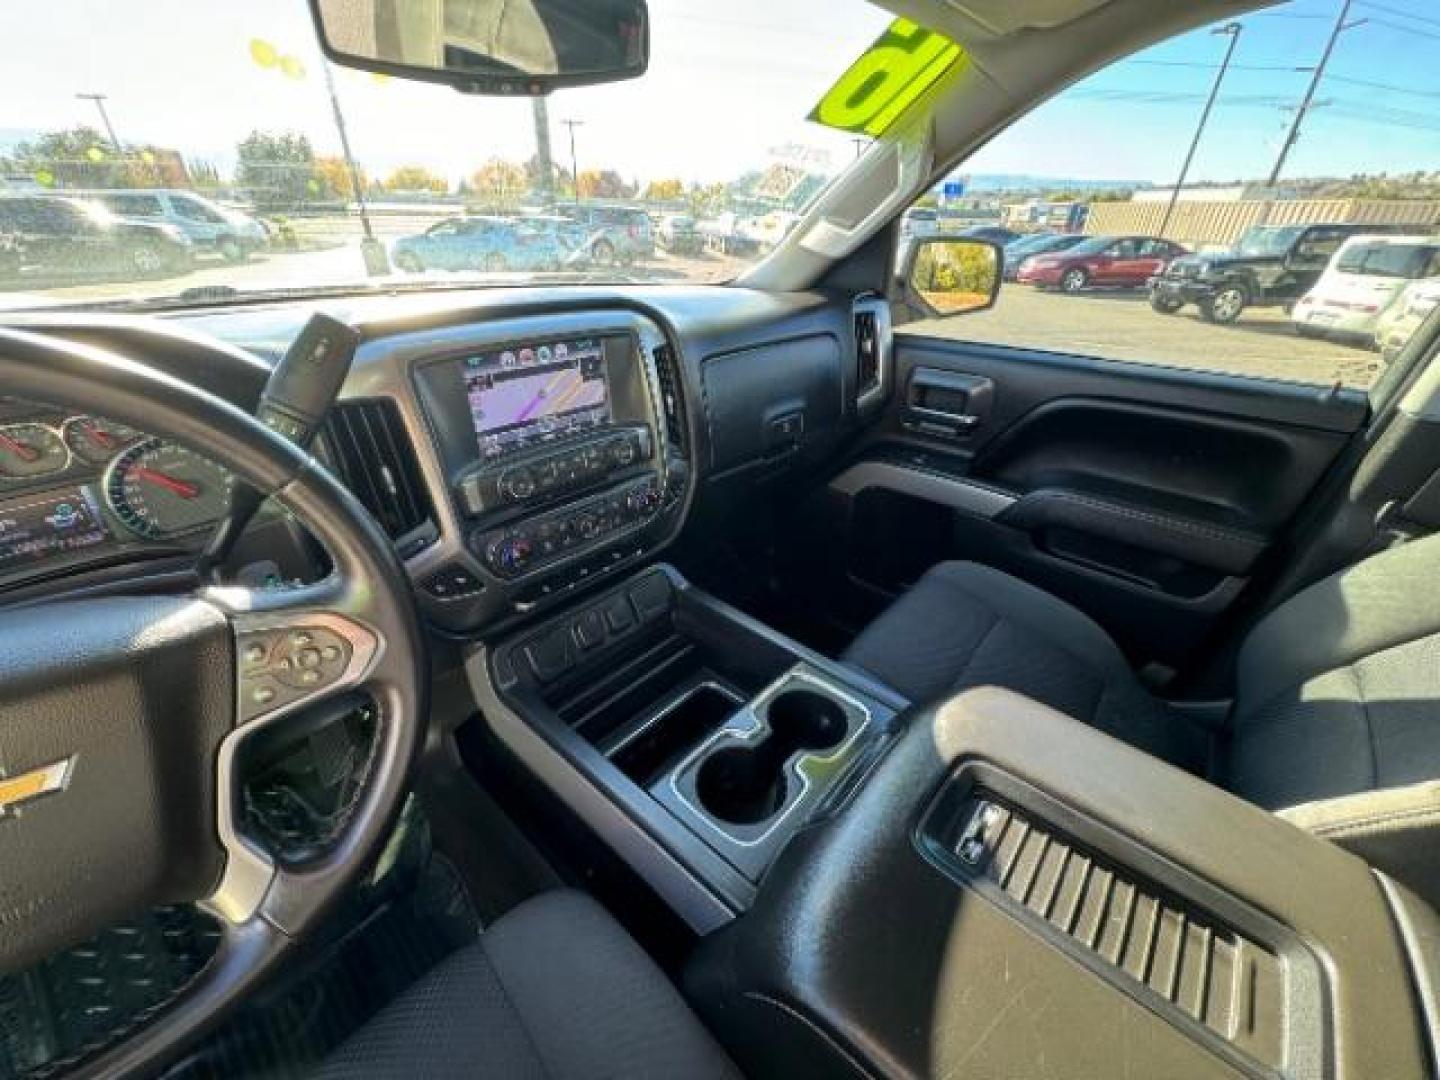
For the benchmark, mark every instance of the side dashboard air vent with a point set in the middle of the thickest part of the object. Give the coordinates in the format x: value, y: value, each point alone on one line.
x: 1143, y: 938
x: 366, y: 444
x: 872, y: 347
x: 672, y: 396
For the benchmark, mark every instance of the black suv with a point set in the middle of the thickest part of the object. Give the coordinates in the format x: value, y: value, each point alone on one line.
x: 57, y: 235
x: 1269, y: 266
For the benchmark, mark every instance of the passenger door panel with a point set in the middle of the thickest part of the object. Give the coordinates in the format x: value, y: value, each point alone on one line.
x: 1147, y: 496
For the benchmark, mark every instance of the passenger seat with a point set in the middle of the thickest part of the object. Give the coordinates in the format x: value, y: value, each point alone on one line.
x: 1336, y: 721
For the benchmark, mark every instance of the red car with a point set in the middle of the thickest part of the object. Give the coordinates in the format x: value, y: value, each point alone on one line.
x: 1101, y: 261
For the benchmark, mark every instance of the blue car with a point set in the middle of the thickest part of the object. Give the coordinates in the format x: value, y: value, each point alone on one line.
x: 493, y: 244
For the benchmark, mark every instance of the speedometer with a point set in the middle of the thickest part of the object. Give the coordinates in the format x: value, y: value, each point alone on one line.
x: 161, y: 490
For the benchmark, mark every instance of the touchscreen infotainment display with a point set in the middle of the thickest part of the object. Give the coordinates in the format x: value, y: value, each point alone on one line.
x: 526, y: 395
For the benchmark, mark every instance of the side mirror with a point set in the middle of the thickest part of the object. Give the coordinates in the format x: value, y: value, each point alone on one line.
x: 505, y: 47
x: 951, y: 276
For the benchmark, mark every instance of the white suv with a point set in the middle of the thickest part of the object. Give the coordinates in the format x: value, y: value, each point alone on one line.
x: 208, y: 225
x: 1362, y: 280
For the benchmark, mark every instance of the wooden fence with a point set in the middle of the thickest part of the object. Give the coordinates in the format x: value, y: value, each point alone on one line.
x: 1200, y: 223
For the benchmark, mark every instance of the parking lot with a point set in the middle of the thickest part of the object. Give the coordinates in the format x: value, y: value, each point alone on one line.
x: 331, y: 255
x: 1121, y: 325
x: 1115, y: 324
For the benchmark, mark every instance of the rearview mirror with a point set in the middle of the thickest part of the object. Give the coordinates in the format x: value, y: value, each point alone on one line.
x: 952, y: 276
x: 505, y: 47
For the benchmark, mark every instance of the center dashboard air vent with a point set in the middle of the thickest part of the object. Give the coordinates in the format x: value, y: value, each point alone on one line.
x: 672, y: 397
x: 366, y: 444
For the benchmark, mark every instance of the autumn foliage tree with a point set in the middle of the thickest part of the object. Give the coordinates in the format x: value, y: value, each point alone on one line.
x: 500, y: 182
x: 333, y: 175
x: 666, y: 190
x: 416, y: 178
x: 604, y: 184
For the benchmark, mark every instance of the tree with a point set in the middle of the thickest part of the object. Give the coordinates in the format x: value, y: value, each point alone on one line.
x: 416, y: 178
x: 278, y: 169
x: 81, y: 157
x: 333, y: 174
x: 604, y: 184
x: 500, y: 182
x: 707, y: 200
x: 667, y: 190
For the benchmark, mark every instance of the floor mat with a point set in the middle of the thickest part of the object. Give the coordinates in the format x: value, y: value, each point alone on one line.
x: 87, y: 997
x: 284, y: 1034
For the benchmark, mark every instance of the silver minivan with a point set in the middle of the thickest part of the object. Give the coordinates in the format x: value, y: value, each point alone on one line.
x: 232, y: 234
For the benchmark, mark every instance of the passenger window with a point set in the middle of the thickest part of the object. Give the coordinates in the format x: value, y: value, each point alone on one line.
x: 1211, y: 273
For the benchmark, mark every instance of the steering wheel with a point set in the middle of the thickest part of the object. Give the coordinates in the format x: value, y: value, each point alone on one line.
x: 121, y: 717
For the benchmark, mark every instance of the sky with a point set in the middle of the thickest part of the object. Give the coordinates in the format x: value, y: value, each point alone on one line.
x: 729, y: 84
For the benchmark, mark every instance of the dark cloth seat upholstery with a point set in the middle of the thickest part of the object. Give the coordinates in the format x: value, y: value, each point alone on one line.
x: 1337, y: 690
x: 554, y: 990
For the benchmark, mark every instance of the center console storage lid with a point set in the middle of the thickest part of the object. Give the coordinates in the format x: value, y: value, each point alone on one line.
x: 864, y: 952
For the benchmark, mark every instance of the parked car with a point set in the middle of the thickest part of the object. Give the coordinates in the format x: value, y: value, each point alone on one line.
x: 567, y: 234
x: 920, y: 221
x: 1394, y: 325
x: 1270, y: 266
x: 1364, y: 278
x: 1100, y: 261
x: 228, y: 232
x: 495, y: 244
x: 614, y: 234
x: 678, y: 235
x: 1017, y: 251
x: 55, y: 234
x: 996, y: 234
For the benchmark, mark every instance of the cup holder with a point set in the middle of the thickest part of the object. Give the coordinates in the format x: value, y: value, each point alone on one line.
x: 744, y: 785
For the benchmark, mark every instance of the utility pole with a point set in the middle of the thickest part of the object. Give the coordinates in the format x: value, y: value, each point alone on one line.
x: 1293, y: 134
x: 371, y: 250
x: 574, y: 166
x: 1232, y: 31
x: 542, y: 149
x: 99, y: 100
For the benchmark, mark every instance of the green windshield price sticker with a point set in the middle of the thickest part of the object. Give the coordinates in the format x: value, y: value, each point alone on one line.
x: 903, y: 63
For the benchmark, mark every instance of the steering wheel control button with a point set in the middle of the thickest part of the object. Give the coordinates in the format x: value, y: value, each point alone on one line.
x: 262, y: 695
x: 255, y: 653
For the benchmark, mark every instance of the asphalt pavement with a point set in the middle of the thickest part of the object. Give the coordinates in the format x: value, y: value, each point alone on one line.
x: 1120, y: 325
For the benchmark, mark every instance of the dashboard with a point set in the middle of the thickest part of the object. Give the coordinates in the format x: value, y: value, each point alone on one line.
x: 518, y: 445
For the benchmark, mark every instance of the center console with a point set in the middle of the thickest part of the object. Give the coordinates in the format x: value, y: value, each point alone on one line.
x: 695, y: 741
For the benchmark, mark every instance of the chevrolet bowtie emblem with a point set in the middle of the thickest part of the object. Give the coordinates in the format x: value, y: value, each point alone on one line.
x: 16, y: 791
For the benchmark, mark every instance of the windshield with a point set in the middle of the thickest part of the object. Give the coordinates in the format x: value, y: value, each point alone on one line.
x: 1389, y: 260
x: 149, y: 108
x: 1268, y: 241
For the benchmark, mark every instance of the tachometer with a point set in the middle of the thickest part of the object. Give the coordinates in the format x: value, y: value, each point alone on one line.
x: 95, y: 441
x: 28, y: 450
x: 161, y: 490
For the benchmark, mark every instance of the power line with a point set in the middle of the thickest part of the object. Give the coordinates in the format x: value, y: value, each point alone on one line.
x: 1412, y: 30
x: 1373, y: 85
x: 1293, y: 68
x: 1397, y: 11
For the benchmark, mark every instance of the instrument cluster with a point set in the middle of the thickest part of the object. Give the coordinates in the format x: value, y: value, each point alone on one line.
x: 71, y: 483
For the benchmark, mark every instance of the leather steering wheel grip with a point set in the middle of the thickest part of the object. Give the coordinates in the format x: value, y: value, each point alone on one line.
x: 369, y: 586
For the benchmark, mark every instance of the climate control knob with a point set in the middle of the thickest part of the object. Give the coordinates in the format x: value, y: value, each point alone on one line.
x: 517, y: 484
x: 623, y: 453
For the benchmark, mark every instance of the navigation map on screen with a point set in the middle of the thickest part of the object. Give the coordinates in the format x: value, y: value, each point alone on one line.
x: 523, y: 396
